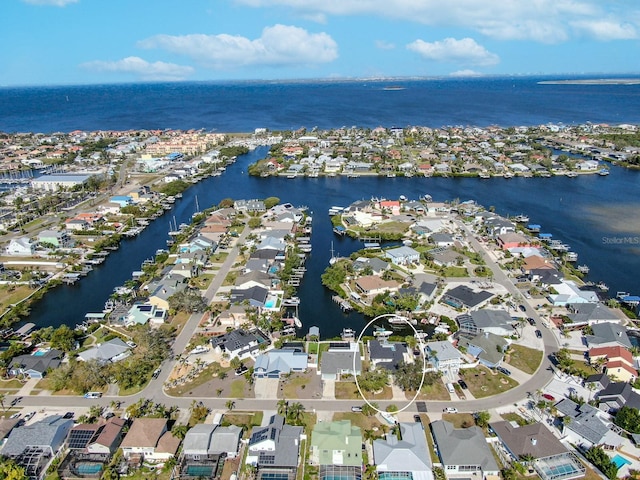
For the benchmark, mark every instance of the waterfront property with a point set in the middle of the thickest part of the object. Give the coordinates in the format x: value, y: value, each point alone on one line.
x: 276, y: 363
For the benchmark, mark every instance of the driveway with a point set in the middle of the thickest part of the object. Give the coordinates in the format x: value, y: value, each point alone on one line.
x: 266, y: 388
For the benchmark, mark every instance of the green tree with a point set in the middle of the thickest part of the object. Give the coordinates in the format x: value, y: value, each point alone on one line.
x: 189, y: 300
x: 63, y: 338
x: 10, y: 471
x: 270, y: 202
x: 3, y: 397
x: 408, y: 376
x: 254, y: 222
x: 230, y: 405
x: 283, y: 406
x: 482, y: 418
x: 110, y: 473
x: 628, y: 418
x: 373, y: 380
x: 180, y: 431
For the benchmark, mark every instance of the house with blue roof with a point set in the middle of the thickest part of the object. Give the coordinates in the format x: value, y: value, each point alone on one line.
x: 121, y: 200
x: 277, y: 363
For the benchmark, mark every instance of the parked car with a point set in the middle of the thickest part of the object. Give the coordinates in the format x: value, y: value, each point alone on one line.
x: 241, y: 369
x: 15, y: 415
x: 68, y: 415
x: 93, y: 395
x: 356, y: 408
x: 29, y: 416
x: 504, y: 371
x: 462, y: 384
x: 531, y: 321
x: 450, y: 410
x: 522, y: 308
x: 548, y: 396
x: 538, y: 334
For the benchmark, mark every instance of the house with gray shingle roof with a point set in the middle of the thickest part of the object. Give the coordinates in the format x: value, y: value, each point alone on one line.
x: 276, y: 363
x: 208, y: 439
x: 463, y: 450
x: 110, y: 351
x: 608, y: 334
x: 275, y: 447
x: 339, y: 360
x: 387, y: 355
x: 498, y: 322
x: 587, y: 426
x: 534, y: 440
x: 36, y: 366
x: 395, y: 456
x: 592, y: 313
x: 445, y: 357
x: 486, y: 347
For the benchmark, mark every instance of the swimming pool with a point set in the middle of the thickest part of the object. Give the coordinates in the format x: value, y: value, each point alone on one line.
x: 620, y: 461
x: 88, y: 468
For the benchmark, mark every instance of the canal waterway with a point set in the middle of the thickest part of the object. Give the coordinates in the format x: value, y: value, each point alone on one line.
x: 597, y: 216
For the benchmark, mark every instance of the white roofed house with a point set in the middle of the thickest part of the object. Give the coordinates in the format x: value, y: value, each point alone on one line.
x: 445, y: 357
x: 20, y: 247
x: 205, y: 448
x: 111, y: 351
x: 59, y: 239
x: 402, y: 255
x: 276, y: 363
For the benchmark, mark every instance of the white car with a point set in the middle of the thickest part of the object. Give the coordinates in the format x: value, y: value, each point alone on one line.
x: 450, y: 410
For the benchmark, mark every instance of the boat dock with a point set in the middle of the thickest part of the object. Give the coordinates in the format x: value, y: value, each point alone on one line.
x: 345, y: 306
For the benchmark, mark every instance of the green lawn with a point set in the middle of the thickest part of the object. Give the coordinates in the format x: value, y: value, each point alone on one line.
x: 459, y: 420
x: 456, y: 272
x: 349, y: 391
x: 523, y: 358
x: 437, y: 391
x: 514, y: 417
x: 361, y: 420
x: 483, y: 382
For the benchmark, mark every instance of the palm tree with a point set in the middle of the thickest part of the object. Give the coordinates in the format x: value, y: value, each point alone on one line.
x: 179, y: 431
x: 230, y: 405
x: 283, y: 406
x: 295, y: 413
x: 3, y: 396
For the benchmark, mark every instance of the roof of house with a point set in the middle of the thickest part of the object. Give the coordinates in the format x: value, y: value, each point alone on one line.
x: 111, y: 432
x: 41, y: 433
x: 585, y: 420
x: 486, y: 318
x: 410, y: 453
x: 402, y: 252
x: 106, y: 351
x: 38, y: 363
x: 225, y: 439
x: 338, y: 435
x: 613, y: 352
x: 615, y: 364
x: 608, y: 332
x: 145, y: 432
x: 374, y: 282
x: 535, y: 439
x: 236, y: 340
x: 467, y: 296
x: 286, y: 440
x: 387, y: 354
x: 586, y: 312
x: 198, y: 438
x: 487, y: 345
x: 276, y: 362
x: 334, y: 362
x: 6, y: 425
x: 444, y: 351
x: 256, y: 294
x: 462, y: 446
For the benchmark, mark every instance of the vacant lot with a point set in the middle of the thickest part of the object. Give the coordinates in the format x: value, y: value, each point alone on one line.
x: 348, y: 390
x: 523, y: 358
x: 437, y: 391
x: 301, y: 385
x: 483, y: 382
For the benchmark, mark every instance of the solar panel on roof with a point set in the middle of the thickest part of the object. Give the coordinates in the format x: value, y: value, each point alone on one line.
x: 80, y: 438
x: 145, y: 308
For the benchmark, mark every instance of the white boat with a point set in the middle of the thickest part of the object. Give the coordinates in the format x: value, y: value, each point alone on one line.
x: 381, y: 332
x: 199, y: 349
x: 403, y: 198
x: 427, y: 198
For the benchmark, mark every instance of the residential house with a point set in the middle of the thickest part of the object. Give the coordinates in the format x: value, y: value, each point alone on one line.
x: 21, y: 246
x: 499, y: 226
x: 608, y: 335
x: 463, y: 451
x: 591, y: 313
x: 424, y: 290
x: 149, y: 440
x: 463, y: 296
x: 443, y: 240
x: 498, y: 322
x: 141, y: 313
x: 445, y: 256
x: 587, y: 427
x: 254, y: 296
x: 101, y: 438
x: 445, y: 357
x: 487, y: 348
x: 402, y: 255
x: 36, y: 366
x: 618, y: 362
x: 203, y: 440
x: 34, y: 446
x: 377, y: 265
x: 597, y: 382
x: 239, y: 343
x: 276, y: 363
x: 337, y: 444
x: 275, y: 447
x: 373, y: 285
x: 249, y: 206
x: 233, y: 317
x: 121, y: 200
x: 616, y: 395
x: 512, y: 240
x: 569, y: 293
x: 405, y: 455
x: 387, y: 355
x: 59, y: 239
x: 342, y: 358
x: 110, y: 351
x: 161, y: 290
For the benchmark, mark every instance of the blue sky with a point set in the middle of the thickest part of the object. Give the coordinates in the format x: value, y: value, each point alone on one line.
x: 49, y: 42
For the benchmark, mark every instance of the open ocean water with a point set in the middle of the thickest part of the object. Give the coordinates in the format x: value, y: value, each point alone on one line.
x: 599, y: 217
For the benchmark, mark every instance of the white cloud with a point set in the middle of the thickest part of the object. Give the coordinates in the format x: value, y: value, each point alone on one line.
x: 464, y: 51
x: 142, y: 69
x: 546, y: 21
x: 606, y: 29
x: 55, y: 3
x: 465, y: 73
x: 382, y: 45
x: 278, y: 45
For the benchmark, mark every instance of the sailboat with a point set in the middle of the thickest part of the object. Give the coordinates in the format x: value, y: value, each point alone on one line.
x: 333, y: 258
x: 197, y: 212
